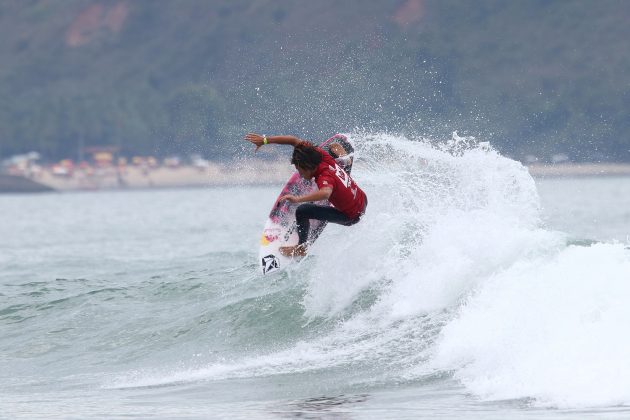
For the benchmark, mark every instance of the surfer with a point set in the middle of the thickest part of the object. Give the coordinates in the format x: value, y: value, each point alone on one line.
x: 333, y: 182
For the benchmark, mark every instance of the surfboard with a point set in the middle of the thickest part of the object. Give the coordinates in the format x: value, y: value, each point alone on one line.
x: 280, y: 228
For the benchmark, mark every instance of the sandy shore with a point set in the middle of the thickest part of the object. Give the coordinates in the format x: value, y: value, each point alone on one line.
x: 241, y: 173
x: 250, y: 172
x: 579, y: 169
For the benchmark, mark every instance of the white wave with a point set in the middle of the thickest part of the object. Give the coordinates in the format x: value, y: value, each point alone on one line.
x: 550, y: 328
x: 458, y: 224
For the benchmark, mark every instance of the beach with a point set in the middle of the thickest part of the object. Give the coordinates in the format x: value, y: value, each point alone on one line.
x: 137, y: 177
x: 244, y: 172
x: 578, y: 169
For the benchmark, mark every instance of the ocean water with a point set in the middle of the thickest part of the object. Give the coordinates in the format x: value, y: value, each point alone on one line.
x: 469, y: 290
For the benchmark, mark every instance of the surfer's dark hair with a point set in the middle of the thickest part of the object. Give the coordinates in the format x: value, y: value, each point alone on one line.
x: 306, y: 156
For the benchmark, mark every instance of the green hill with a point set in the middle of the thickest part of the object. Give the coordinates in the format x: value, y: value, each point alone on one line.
x: 161, y: 77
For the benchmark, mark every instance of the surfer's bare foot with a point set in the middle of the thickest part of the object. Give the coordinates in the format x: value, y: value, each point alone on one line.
x: 293, y: 251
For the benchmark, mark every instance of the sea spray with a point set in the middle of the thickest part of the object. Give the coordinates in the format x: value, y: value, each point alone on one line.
x: 440, y: 217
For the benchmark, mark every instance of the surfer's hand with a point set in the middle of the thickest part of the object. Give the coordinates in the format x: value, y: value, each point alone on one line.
x: 255, y: 139
x: 290, y: 198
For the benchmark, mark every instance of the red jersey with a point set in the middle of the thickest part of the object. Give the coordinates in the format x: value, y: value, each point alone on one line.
x: 346, y: 196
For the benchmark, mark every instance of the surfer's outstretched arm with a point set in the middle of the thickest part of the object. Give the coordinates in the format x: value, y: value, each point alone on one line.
x: 259, y: 140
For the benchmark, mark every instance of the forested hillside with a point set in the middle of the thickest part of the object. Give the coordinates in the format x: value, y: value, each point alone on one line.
x: 162, y: 77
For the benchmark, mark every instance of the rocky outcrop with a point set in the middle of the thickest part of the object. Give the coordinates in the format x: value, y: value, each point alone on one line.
x: 18, y: 184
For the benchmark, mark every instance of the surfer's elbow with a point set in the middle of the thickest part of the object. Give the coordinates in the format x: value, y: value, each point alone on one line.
x: 326, y: 192
x: 294, y: 141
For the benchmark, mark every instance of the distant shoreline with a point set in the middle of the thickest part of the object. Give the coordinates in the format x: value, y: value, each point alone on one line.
x: 240, y: 173
x: 578, y: 169
x: 134, y: 177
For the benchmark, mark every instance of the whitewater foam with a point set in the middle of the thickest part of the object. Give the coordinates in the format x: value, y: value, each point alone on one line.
x: 550, y: 328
